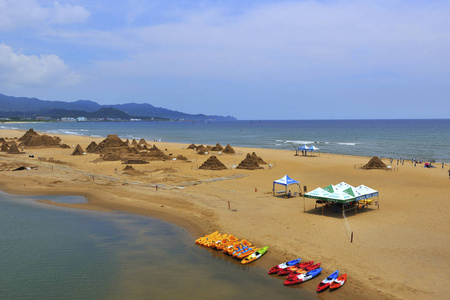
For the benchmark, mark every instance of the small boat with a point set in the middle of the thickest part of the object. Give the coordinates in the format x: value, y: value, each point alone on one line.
x: 327, y: 281
x: 303, y: 277
x: 284, y: 265
x: 255, y: 256
x: 247, y: 252
x: 304, y: 270
x: 338, y: 282
x: 201, y: 239
x: 226, y: 242
x: 301, y: 266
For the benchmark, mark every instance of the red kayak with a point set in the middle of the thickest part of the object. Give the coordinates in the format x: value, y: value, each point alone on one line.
x: 327, y: 281
x: 337, y: 283
x: 296, y: 267
x: 303, y: 271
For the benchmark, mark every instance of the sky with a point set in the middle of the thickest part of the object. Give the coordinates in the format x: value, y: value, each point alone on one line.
x: 254, y: 60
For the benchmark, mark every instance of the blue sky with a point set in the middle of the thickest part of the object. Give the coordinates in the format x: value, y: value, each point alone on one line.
x: 249, y: 59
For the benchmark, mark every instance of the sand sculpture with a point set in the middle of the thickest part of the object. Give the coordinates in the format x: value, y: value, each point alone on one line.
x: 217, y: 147
x: 4, y: 147
x: 191, y: 146
x: 228, y: 150
x: 78, y: 150
x: 249, y: 163
x: 375, y: 163
x: 92, y: 148
x: 32, y: 139
x: 213, y: 163
x: 13, y: 149
x: 258, y: 159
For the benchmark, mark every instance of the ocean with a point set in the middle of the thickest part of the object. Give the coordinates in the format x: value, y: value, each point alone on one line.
x: 50, y: 252
x: 425, y: 140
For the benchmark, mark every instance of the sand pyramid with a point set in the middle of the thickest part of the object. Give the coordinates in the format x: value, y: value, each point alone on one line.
x: 133, y: 142
x: 65, y: 146
x: 28, y: 134
x: 202, y: 149
x: 78, y: 150
x: 142, y: 142
x: 191, y: 146
x: 92, y: 148
x: 128, y: 167
x: 32, y: 139
x: 249, y: 163
x: 213, y: 163
x: 375, y: 163
x: 217, y: 147
x: 2, y: 141
x: 127, y: 141
x: 258, y: 159
x: 13, y: 149
x: 228, y: 149
x: 4, y: 147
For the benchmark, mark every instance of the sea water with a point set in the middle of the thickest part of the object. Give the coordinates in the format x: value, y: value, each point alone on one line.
x: 50, y: 252
x: 421, y: 139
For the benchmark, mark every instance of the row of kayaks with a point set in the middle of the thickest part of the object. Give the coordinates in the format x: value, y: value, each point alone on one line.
x: 231, y: 245
x: 298, y: 272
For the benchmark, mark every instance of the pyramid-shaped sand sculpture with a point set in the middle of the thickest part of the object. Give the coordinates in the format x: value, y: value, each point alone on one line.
x: 217, y: 147
x: 92, y: 148
x: 249, y: 163
x: 228, y: 150
x: 191, y: 146
x: 213, y: 163
x: 13, y: 149
x: 32, y: 139
x: 112, y: 140
x: 142, y: 142
x: 78, y: 150
x: 375, y: 163
x: 258, y: 159
x: 128, y: 167
x: 2, y: 141
x: 201, y: 150
x: 133, y: 142
x: 4, y: 147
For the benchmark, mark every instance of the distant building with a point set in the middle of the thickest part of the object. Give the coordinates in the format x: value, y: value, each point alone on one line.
x: 43, y: 118
x: 81, y: 119
x: 68, y: 119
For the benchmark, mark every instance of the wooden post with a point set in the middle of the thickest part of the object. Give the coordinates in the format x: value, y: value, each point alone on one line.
x: 352, y: 238
x: 228, y: 205
x: 304, y: 206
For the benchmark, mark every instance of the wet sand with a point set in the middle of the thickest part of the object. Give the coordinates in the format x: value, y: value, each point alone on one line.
x: 399, y: 251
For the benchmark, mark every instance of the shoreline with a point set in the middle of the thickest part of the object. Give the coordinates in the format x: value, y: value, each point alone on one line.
x: 201, y: 209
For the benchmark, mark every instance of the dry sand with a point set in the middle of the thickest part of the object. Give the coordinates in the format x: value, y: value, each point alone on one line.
x: 400, y: 251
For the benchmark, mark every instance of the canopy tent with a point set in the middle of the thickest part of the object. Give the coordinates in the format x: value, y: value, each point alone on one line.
x: 312, y: 148
x: 286, y: 181
x: 304, y: 148
x: 342, y: 193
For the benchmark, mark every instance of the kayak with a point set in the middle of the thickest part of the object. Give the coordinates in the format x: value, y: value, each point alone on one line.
x: 284, y: 265
x: 201, y: 239
x: 226, y: 242
x: 247, y: 252
x: 212, y: 241
x: 338, y: 282
x: 303, y: 277
x: 304, y: 270
x: 236, y: 246
x: 327, y: 281
x: 255, y: 256
x: 297, y: 267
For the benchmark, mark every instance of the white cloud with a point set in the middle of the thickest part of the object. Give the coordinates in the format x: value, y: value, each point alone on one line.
x: 16, y: 14
x: 18, y: 70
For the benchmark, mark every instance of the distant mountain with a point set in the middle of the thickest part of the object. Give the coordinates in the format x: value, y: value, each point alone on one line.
x: 18, y: 106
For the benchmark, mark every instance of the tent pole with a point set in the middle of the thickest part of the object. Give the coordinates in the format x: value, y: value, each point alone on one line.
x: 322, y: 208
x: 304, y: 206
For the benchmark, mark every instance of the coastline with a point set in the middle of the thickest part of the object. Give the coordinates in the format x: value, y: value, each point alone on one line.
x: 260, y: 217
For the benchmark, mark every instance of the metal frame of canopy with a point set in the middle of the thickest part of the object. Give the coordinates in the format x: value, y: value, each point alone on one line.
x: 288, y: 181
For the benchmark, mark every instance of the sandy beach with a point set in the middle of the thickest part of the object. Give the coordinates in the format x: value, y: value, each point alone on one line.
x: 400, y: 250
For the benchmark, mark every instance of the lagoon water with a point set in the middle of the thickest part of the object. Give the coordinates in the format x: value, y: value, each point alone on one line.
x: 421, y: 139
x: 50, y: 252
